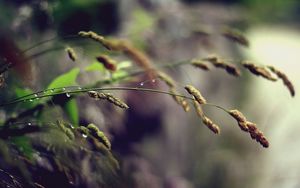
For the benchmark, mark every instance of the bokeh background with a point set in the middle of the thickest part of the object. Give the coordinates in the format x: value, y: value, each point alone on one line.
x: 156, y: 143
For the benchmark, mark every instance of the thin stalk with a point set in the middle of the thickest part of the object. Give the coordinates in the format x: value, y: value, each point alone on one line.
x: 24, y: 99
x: 48, y: 40
x: 217, y: 106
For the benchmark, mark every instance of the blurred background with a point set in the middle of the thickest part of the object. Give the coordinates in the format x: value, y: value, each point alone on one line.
x: 155, y: 141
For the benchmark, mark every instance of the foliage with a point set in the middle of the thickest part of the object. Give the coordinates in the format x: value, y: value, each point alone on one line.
x: 79, y: 155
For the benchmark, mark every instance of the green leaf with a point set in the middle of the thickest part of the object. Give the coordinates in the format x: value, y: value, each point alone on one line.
x: 20, y: 92
x: 119, y: 74
x: 96, y: 66
x: 71, y: 110
x: 64, y: 80
x: 124, y: 65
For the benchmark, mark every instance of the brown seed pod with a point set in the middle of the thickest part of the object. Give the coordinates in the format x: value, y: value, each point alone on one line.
x: 232, y: 70
x: 198, y: 108
x: 71, y: 53
x: 92, y: 35
x: 93, y: 94
x: 257, y: 134
x: 196, y: 93
x: 240, y: 118
x: 109, y: 97
x: 284, y: 78
x: 115, y: 45
x: 107, y: 62
x: 126, y: 47
x: 213, y: 127
x: 179, y: 100
x: 235, y: 36
x: 200, y: 64
x: 219, y: 63
x: 258, y: 70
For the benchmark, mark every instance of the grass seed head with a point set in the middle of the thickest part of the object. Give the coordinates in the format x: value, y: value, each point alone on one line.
x: 284, y: 78
x: 166, y: 78
x: 93, y: 94
x: 109, y: 97
x: 91, y: 35
x: 240, y: 118
x: 196, y: 93
x: 213, y: 127
x: 200, y: 64
x: 235, y: 36
x: 99, y: 135
x: 71, y: 53
x: 219, y: 63
x: 116, y: 101
x: 257, y: 134
x: 82, y: 130
x: 107, y: 62
x: 198, y: 108
x: 258, y: 70
x: 179, y: 100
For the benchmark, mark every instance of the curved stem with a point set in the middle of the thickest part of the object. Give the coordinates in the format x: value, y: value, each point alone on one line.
x: 76, y: 91
x: 46, y: 41
x: 217, y: 106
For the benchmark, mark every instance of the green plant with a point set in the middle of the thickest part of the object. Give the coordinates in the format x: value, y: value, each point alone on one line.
x: 28, y: 137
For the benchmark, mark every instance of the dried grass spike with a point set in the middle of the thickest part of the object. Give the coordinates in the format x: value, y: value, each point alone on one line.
x: 198, y: 108
x: 258, y: 70
x: 211, y: 58
x: 196, y: 93
x: 237, y: 115
x: 236, y: 36
x: 107, y: 62
x: 219, y: 63
x: 233, y: 70
x: 240, y: 118
x: 82, y: 130
x: 116, y: 101
x: 257, y: 134
x: 109, y: 97
x: 284, y: 78
x: 71, y: 53
x: 213, y: 127
x: 200, y: 64
x: 180, y: 100
x: 166, y: 78
x: 92, y: 35
x: 93, y: 94
x: 99, y: 135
